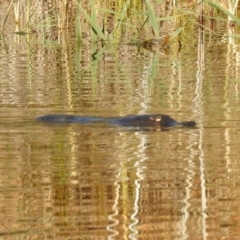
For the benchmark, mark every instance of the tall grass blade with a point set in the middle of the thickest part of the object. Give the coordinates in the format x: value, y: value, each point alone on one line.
x: 177, y: 32
x: 78, y: 23
x: 122, y: 15
x: 225, y: 10
x: 152, y: 19
x: 94, y: 33
x: 16, y: 7
x: 93, y: 23
x: 5, y: 20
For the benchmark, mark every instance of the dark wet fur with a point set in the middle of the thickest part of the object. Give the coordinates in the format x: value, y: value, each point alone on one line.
x: 145, y: 120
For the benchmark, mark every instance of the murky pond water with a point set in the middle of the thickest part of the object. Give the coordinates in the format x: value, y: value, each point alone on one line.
x: 60, y: 181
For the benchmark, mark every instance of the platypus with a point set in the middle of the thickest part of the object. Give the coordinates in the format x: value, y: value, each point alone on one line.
x: 144, y: 120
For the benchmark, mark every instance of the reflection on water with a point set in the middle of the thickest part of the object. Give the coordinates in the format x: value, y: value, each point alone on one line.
x: 103, y: 182
x: 97, y: 182
x: 94, y: 182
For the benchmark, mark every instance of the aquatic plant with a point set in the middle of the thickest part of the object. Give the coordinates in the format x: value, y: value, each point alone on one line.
x: 109, y: 20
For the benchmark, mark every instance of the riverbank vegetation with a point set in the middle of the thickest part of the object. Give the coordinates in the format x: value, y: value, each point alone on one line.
x: 156, y: 21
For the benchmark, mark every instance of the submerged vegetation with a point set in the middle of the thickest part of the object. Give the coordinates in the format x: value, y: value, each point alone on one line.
x: 151, y: 22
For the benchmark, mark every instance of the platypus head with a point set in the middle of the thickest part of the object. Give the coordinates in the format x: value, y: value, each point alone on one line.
x: 163, y: 120
x: 167, y: 121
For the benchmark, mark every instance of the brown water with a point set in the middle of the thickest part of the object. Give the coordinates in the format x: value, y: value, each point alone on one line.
x: 103, y: 182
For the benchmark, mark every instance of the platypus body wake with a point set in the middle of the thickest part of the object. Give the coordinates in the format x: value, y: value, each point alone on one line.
x: 145, y: 120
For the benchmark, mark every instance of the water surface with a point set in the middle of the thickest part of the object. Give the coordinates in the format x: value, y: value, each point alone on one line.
x: 103, y: 182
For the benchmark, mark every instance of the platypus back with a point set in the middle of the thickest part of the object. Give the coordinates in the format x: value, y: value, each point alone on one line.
x: 144, y: 120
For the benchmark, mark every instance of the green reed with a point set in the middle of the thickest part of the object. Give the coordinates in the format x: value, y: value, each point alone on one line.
x: 228, y: 9
x: 153, y: 19
x: 122, y: 17
x: 78, y: 26
x: 92, y: 19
